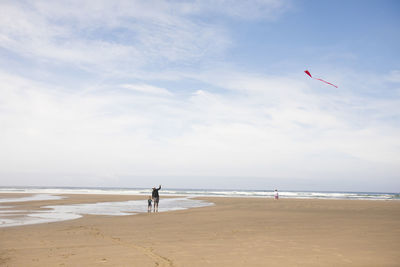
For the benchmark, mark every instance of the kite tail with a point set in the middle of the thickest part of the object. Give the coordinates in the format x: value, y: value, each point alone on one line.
x: 325, y: 82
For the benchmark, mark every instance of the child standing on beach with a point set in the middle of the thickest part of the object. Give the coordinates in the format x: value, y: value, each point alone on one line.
x: 149, y: 204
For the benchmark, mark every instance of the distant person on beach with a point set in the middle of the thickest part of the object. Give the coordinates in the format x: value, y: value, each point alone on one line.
x: 276, y: 194
x: 156, y: 197
x: 149, y: 202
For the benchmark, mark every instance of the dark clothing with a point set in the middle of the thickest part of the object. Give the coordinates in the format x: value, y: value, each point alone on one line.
x: 154, y: 194
x: 149, y: 202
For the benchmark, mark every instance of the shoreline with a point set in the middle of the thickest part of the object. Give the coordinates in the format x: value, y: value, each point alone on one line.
x: 206, y: 192
x: 45, y: 208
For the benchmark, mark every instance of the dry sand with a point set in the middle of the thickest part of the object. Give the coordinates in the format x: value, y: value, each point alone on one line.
x: 234, y: 232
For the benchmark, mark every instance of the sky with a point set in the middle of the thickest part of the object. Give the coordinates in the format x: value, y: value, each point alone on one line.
x: 200, y: 94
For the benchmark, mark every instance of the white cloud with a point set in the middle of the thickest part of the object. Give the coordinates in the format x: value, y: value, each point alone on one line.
x: 393, y: 76
x: 249, y: 10
x: 103, y: 35
x: 145, y: 88
x: 123, y: 36
x: 207, y: 133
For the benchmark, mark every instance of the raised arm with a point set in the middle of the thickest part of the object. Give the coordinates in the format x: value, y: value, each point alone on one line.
x: 159, y: 187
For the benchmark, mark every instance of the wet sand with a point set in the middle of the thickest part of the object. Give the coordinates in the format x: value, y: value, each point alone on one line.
x: 234, y: 232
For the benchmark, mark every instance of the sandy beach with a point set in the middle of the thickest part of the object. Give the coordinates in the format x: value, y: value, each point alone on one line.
x: 233, y: 232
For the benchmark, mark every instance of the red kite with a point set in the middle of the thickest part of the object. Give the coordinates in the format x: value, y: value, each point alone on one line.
x: 309, y: 74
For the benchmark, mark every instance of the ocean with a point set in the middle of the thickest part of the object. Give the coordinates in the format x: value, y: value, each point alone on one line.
x: 205, y: 192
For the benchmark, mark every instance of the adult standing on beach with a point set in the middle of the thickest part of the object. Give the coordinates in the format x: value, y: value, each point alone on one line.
x: 156, y: 197
x: 276, y: 194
